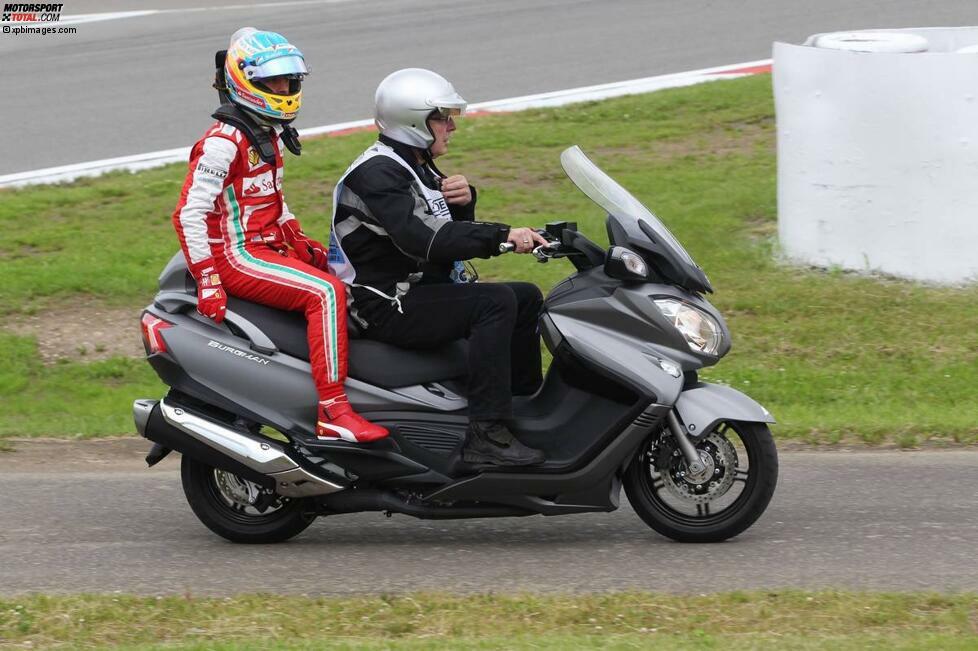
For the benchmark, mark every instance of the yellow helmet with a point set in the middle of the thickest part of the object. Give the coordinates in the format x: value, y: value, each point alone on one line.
x: 255, y: 56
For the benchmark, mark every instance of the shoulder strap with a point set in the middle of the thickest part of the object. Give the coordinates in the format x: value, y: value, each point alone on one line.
x: 291, y: 139
x: 258, y: 137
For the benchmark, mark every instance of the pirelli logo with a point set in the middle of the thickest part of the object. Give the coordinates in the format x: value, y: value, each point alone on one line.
x: 205, y: 169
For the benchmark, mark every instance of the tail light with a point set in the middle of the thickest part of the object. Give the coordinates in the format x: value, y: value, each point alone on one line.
x: 152, y: 327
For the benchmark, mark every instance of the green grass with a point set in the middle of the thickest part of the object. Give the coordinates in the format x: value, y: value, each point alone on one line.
x: 834, y: 356
x: 696, y: 641
x: 68, y: 399
x: 755, y: 620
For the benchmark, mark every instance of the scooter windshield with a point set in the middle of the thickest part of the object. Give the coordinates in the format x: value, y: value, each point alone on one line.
x: 631, y: 224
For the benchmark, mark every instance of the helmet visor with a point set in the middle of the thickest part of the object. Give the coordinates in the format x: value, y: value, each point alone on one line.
x: 445, y: 112
x: 450, y: 105
x: 279, y: 66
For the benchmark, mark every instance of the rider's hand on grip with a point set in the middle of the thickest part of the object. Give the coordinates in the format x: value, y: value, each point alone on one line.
x: 524, y: 239
x: 212, y: 301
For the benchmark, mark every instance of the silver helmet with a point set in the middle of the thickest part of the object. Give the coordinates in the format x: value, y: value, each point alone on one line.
x: 406, y: 98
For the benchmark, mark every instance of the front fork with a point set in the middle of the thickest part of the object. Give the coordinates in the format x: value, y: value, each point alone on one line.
x: 694, y: 464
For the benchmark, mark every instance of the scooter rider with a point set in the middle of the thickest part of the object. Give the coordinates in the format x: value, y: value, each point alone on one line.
x: 400, y: 231
x: 237, y: 232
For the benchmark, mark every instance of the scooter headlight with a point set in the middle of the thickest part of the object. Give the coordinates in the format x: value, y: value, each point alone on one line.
x: 702, y: 332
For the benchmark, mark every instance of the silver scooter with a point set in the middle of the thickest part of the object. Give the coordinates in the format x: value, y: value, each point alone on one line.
x: 621, y: 404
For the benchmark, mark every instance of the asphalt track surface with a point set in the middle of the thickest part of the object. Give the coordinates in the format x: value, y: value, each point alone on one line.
x: 141, y: 84
x: 88, y: 518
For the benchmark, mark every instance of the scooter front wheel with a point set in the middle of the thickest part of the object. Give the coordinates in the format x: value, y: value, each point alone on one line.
x: 736, y: 485
x: 238, y: 509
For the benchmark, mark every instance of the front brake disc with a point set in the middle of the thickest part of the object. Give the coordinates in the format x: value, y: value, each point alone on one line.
x: 720, y: 457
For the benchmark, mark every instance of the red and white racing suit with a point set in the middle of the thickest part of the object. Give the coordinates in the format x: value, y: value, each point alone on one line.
x: 231, y: 216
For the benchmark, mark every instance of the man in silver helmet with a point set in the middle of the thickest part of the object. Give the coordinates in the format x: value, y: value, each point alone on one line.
x: 401, y: 231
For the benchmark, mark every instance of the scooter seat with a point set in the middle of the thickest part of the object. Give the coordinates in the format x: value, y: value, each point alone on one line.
x: 369, y: 361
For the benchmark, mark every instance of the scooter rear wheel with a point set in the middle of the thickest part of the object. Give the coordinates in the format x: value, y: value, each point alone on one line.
x: 725, y: 499
x: 238, y: 509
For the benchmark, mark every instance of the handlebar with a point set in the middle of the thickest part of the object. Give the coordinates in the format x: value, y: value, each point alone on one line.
x: 564, y: 242
x: 552, y: 243
x: 542, y: 252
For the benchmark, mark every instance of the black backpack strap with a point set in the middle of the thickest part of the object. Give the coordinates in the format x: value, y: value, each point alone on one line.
x: 257, y: 136
x: 291, y: 139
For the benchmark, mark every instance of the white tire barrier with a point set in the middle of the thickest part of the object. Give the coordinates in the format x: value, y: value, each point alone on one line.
x: 878, y: 152
x: 892, y: 42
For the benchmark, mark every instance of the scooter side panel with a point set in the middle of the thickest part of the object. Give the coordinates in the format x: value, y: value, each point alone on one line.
x: 275, y: 389
x: 630, y: 310
x: 624, y: 356
x: 705, y: 405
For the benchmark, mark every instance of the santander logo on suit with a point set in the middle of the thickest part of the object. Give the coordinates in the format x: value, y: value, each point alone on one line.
x: 260, y: 186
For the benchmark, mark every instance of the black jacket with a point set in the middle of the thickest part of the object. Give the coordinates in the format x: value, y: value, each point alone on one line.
x: 389, y: 234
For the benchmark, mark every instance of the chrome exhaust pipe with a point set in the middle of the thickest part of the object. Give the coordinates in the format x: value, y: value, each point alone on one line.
x: 141, y: 411
x: 261, y: 455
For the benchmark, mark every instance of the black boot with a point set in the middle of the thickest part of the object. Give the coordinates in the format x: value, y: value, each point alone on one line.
x: 491, y: 442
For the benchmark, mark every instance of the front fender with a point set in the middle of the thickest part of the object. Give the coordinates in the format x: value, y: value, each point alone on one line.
x: 703, y: 406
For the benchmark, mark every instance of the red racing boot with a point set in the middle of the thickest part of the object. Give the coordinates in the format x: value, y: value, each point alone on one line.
x: 337, y: 420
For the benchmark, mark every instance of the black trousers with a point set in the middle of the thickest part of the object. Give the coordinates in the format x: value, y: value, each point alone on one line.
x: 498, y: 319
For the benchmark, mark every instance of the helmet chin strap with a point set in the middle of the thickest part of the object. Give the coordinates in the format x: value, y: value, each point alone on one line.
x: 426, y: 156
x: 430, y: 162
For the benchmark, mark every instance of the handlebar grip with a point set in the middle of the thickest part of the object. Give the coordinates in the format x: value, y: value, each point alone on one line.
x: 507, y: 247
